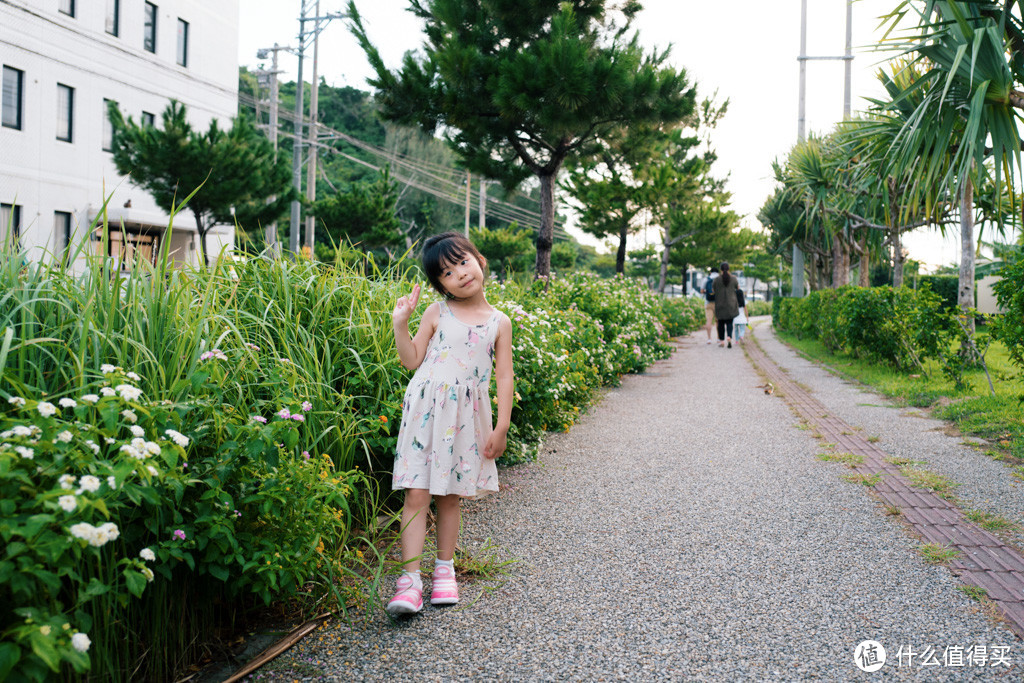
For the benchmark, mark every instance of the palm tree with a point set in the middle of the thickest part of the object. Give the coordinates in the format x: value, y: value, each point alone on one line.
x: 969, y: 59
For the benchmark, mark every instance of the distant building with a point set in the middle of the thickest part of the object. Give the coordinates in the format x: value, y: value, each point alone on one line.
x: 63, y: 61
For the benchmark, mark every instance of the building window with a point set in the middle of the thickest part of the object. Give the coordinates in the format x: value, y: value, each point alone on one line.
x: 149, y: 34
x: 108, y: 126
x: 129, y: 245
x: 62, y: 235
x: 182, y: 42
x: 12, y: 96
x: 67, y: 7
x: 10, y: 224
x: 113, y: 26
x: 148, y: 120
x: 65, y: 112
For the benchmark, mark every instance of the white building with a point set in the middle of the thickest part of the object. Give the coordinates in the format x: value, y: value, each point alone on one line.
x: 63, y: 60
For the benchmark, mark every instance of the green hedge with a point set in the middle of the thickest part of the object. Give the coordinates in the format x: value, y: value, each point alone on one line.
x: 901, y: 327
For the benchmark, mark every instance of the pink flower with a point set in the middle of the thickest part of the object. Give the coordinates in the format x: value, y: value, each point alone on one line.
x: 284, y: 414
x: 260, y: 419
x: 299, y: 418
x: 306, y: 406
x: 179, y: 534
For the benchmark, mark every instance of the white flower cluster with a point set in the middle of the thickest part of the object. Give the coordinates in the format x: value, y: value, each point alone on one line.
x: 80, y: 642
x: 91, y: 398
x: 16, y: 401
x: 128, y: 392
x: 97, y: 536
x: 46, y: 409
x: 177, y: 437
x: 21, y: 431
x: 67, y: 403
x: 140, y: 449
x: 107, y: 368
x: 88, y: 483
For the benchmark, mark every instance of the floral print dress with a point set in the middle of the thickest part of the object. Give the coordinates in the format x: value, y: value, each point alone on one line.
x: 446, y: 413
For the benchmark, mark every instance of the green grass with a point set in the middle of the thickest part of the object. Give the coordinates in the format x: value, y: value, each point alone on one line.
x: 975, y: 593
x: 991, y: 522
x: 930, y: 481
x: 869, y: 480
x: 848, y: 459
x: 975, y: 412
x: 934, y: 553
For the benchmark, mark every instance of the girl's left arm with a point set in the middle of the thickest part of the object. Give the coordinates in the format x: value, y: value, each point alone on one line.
x: 506, y: 389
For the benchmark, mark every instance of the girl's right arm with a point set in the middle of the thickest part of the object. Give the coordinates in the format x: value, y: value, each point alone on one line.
x: 411, y: 350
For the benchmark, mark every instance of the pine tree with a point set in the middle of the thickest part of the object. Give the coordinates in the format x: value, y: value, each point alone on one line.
x: 518, y: 87
x: 240, y: 179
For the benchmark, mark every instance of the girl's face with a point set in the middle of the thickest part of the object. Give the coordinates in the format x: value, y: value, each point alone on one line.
x: 463, y: 278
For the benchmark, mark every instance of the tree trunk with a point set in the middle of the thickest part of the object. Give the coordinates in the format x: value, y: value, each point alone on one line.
x: 547, y: 225
x: 620, y: 255
x: 839, y: 273
x: 965, y: 296
x: 202, y: 230
x: 864, y: 276
x: 663, y: 279
x: 897, y: 259
x: 812, y: 273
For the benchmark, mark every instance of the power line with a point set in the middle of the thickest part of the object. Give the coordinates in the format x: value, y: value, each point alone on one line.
x: 450, y: 190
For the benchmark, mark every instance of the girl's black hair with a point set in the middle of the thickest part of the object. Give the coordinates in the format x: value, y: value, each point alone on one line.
x: 443, y: 249
x: 725, y: 274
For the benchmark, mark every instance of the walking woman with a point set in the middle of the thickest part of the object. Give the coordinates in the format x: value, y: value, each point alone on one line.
x: 726, y: 305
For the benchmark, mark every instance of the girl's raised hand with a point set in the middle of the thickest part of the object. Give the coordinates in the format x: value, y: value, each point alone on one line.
x: 406, y: 305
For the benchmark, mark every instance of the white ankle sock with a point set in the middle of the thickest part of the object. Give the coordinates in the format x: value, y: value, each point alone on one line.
x: 445, y: 563
x: 416, y: 580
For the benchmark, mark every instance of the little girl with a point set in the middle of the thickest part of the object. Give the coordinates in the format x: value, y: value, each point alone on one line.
x: 446, y: 445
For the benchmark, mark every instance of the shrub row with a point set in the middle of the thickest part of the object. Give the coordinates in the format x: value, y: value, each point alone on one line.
x: 176, y: 443
x: 901, y: 327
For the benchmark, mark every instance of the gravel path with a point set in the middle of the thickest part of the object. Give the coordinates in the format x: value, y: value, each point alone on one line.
x: 681, y: 530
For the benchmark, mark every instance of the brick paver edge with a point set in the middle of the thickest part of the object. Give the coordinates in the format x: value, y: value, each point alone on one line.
x: 983, y: 561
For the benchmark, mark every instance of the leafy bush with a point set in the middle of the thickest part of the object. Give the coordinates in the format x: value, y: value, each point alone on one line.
x: 1008, y: 327
x: 682, y: 315
x: 947, y: 287
x: 757, y: 308
x: 902, y: 327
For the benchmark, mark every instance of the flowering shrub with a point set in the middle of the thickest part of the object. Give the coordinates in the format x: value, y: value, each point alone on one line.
x: 75, y: 479
x: 99, y: 500
x: 628, y: 314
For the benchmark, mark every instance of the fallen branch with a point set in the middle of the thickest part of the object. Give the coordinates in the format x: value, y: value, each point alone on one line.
x: 272, y: 652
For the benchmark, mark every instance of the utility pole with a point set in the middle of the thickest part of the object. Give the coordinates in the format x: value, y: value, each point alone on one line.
x: 469, y: 190
x: 319, y: 22
x: 801, y: 134
x: 313, y: 149
x: 271, y: 231
x: 482, y: 213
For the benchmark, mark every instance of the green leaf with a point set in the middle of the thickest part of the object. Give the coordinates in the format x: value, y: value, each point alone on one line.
x: 94, y: 589
x: 219, y: 572
x: 43, y: 648
x: 135, y: 582
x: 9, y: 656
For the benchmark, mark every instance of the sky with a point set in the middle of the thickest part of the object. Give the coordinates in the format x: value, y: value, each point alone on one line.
x: 745, y: 51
